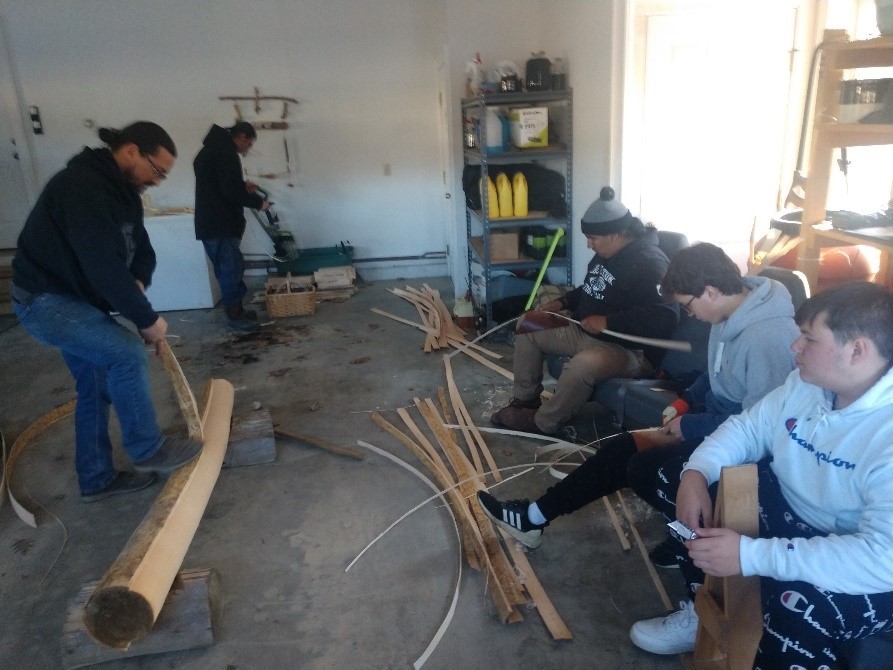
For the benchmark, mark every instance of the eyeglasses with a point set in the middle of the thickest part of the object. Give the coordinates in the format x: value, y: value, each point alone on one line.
x: 161, y: 175
x: 687, y: 306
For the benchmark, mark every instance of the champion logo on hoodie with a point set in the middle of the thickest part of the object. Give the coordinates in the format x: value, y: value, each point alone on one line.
x: 820, y: 456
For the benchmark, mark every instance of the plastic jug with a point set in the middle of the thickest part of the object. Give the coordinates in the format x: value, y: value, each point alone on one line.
x: 519, y: 194
x: 496, y: 131
x: 492, y: 198
x: 538, y: 72
x: 504, y: 190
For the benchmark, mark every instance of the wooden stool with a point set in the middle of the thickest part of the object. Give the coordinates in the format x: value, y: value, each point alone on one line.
x: 730, y: 618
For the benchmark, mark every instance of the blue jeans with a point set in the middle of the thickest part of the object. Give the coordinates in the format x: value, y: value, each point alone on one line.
x: 229, y: 267
x: 110, y: 367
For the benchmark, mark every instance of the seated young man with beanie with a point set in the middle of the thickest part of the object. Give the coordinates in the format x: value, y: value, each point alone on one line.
x: 620, y: 293
x: 823, y: 443
x: 748, y: 353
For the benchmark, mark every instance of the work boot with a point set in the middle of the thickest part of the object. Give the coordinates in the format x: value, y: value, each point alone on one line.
x: 512, y: 517
x: 517, y: 418
x: 239, y: 318
x: 173, y: 453
x: 237, y: 311
x: 534, y: 403
x: 124, y: 482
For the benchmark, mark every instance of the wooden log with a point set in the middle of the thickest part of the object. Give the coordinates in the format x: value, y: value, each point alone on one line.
x: 186, y: 621
x: 130, y: 595
x: 322, y: 444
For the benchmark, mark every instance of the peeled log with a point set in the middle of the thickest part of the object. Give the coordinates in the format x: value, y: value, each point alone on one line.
x: 128, y: 598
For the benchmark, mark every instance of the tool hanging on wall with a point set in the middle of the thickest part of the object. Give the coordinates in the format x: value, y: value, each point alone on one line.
x: 257, y: 98
x: 284, y: 245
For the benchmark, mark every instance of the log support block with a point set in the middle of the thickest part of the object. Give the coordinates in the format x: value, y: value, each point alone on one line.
x: 186, y: 621
x: 251, y: 440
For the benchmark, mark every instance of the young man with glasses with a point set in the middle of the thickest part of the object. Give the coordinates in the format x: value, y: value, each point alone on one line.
x: 752, y: 328
x: 221, y: 195
x: 82, y: 254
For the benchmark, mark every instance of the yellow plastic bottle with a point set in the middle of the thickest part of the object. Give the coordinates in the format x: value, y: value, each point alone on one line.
x: 493, y: 204
x: 519, y: 191
x: 504, y: 190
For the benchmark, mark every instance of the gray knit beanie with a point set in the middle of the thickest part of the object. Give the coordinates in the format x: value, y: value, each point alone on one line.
x: 606, y: 215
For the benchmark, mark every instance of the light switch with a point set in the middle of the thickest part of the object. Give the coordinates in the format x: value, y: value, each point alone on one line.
x: 36, y: 124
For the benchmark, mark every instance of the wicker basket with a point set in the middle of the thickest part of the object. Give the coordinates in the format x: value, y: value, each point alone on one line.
x: 283, y: 301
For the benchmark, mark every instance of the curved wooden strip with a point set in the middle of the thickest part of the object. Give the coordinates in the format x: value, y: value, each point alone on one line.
x: 181, y: 388
x: 130, y: 595
x: 420, y: 661
x: 18, y: 447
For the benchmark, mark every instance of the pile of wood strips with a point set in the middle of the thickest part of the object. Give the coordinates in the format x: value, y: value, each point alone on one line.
x: 440, y: 330
x: 461, y: 473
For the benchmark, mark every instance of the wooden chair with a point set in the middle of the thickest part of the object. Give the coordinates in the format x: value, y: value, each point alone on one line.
x: 730, y: 619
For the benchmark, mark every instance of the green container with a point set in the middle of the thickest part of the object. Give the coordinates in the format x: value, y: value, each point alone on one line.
x: 315, y: 258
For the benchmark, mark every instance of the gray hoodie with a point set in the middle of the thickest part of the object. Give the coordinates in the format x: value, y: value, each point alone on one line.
x: 748, y: 355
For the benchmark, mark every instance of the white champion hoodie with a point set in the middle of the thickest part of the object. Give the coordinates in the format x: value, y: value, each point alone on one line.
x: 835, y: 469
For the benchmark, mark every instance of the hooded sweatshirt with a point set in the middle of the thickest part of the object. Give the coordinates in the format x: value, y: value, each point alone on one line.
x: 835, y: 470
x: 748, y: 355
x: 85, y: 238
x: 220, y: 193
x: 625, y: 289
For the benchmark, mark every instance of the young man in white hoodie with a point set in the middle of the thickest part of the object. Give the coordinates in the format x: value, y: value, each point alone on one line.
x: 824, y: 445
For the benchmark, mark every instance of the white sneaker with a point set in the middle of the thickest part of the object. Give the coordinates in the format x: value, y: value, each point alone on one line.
x: 673, y: 634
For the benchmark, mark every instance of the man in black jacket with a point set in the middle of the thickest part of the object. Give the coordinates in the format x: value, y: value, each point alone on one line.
x: 82, y: 254
x: 221, y: 194
x: 620, y: 293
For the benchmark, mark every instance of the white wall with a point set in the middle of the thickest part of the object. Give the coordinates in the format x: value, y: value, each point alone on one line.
x: 367, y: 75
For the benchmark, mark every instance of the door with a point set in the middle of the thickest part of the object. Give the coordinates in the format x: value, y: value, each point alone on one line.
x: 17, y: 176
x: 710, y: 117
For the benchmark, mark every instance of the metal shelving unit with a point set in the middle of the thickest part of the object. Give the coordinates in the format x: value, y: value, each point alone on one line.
x: 557, y: 156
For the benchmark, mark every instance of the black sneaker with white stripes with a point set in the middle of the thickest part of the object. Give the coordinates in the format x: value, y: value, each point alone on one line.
x: 512, y: 517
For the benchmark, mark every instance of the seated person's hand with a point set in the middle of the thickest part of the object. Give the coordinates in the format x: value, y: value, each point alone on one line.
x: 594, y: 324
x: 694, y: 507
x: 674, y: 428
x: 551, y: 306
x: 676, y: 408
x: 716, y: 551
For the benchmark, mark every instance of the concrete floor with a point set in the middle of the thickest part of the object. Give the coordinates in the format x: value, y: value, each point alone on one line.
x: 280, y: 535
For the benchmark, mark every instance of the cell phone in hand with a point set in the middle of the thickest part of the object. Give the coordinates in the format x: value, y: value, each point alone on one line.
x: 681, y: 532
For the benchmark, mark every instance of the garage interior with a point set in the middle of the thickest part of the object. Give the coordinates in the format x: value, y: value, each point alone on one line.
x: 370, y: 156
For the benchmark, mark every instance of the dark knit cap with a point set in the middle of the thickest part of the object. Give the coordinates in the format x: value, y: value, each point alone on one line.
x: 606, y: 215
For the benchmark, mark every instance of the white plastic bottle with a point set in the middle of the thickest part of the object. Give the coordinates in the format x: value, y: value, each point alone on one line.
x: 495, y: 144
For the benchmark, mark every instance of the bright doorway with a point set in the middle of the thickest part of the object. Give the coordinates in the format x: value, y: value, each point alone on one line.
x: 708, y: 112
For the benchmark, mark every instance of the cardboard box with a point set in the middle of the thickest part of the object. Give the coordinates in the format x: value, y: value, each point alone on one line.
x: 530, y: 127
x: 504, y: 246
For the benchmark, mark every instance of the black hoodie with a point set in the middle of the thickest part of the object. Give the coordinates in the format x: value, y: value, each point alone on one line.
x: 85, y: 238
x: 625, y: 289
x: 220, y: 193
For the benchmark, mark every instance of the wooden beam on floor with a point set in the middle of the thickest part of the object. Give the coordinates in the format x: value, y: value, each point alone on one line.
x: 127, y: 600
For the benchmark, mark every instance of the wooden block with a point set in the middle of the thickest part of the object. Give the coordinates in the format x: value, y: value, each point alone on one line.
x: 186, y: 621
x: 335, y: 277
x: 251, y: 440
